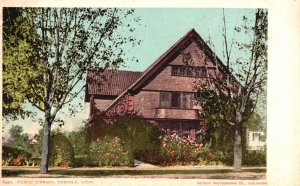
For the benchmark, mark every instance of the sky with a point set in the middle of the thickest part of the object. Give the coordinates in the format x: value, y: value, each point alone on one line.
x: 159, y: 29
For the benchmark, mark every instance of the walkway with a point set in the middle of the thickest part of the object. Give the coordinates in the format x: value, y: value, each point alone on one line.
x: 144, y: 166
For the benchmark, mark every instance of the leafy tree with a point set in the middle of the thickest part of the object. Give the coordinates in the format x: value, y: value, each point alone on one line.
x: 68, y: 42
x: 18, y: 62
x: 233, y: 90
x: 255, y: 123
x: 20, y: 145
x: 20, y: 138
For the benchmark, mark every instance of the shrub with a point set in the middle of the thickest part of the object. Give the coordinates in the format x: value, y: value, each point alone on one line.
x: 109, y: 151
x: 180, y: 151
x: 79, y: 142
x: 136, y: 134
x: 61, y: 151
x: 254, y: 158
x: 15, y: 156
x: 81, y: 161
x: 152, y: 154
x: 36, y: 161
x: 250, y: 158
x: 18, y: 161
x: 8, y: 154
x: 211, y: 157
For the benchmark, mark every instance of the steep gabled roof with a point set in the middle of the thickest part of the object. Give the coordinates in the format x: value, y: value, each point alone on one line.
x: 171, y: 53
x: 177, y: 48
x: 110, y: 82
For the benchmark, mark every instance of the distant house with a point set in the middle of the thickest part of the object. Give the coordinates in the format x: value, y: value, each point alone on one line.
x: 164, y: 93
x: 256, y: 140
x: 8, y: 142
x: 32, y: 141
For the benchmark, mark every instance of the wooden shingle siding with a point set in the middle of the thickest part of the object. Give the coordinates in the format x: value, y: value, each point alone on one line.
x: 145, y: 103
x: 101, y: 104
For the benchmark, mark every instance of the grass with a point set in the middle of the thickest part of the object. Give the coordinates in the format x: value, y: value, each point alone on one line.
x: 99, y: 173
x: 15, y: 173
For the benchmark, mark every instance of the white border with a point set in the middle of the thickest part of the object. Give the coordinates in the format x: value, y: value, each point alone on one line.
x: 283, y: 79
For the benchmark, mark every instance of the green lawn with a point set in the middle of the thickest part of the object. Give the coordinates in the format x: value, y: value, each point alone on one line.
x: 99, y: 173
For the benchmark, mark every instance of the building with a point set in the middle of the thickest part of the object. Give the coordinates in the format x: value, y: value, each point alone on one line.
x: 256, y: 140
x: 164, y: 93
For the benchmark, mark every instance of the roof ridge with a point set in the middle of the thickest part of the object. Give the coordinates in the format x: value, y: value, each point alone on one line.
x: 117, y: 70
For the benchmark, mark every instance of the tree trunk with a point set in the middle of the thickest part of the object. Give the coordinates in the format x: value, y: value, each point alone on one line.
x: 46, y: 147
x: 237, y: 149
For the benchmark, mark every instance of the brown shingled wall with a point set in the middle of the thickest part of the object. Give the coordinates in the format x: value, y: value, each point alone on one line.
x: 145, y: 103
x: 164, y: 80
x: 147, y: 100
x: 101, y: 104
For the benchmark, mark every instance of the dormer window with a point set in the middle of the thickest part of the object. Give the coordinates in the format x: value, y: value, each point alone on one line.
x: 175, y: 71
x: 188, y: 71
x: 203, y: 72
x: 182, y: 71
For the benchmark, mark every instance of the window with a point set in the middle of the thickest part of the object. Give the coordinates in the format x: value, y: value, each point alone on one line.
x: 186, y: 100
x: 176, y: 100
x: 175, y: 71
x: 198, y: 127
x: 182, y: 71
x: 203, y: 72
x: 181, y: 129
x: 188, y: 71
x: 186, y: 129
x: 255, y: 136
x: 197, y: 72
x: 174, y: 128
x: 165, y: 100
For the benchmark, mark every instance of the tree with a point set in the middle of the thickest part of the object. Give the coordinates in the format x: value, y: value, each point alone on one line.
x: 61, y: 149
x: 68, y: 42
x: 20, y: 138
x: 255, y: 123
x: 18, y: 62
x: 233, y: 90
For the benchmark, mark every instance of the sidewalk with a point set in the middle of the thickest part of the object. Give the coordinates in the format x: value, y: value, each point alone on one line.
x: 229, y: 176
x: 140, y: 166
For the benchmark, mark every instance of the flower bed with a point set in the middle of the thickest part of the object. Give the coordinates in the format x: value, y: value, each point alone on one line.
x: 180, y: 151
x: 108, y: 151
